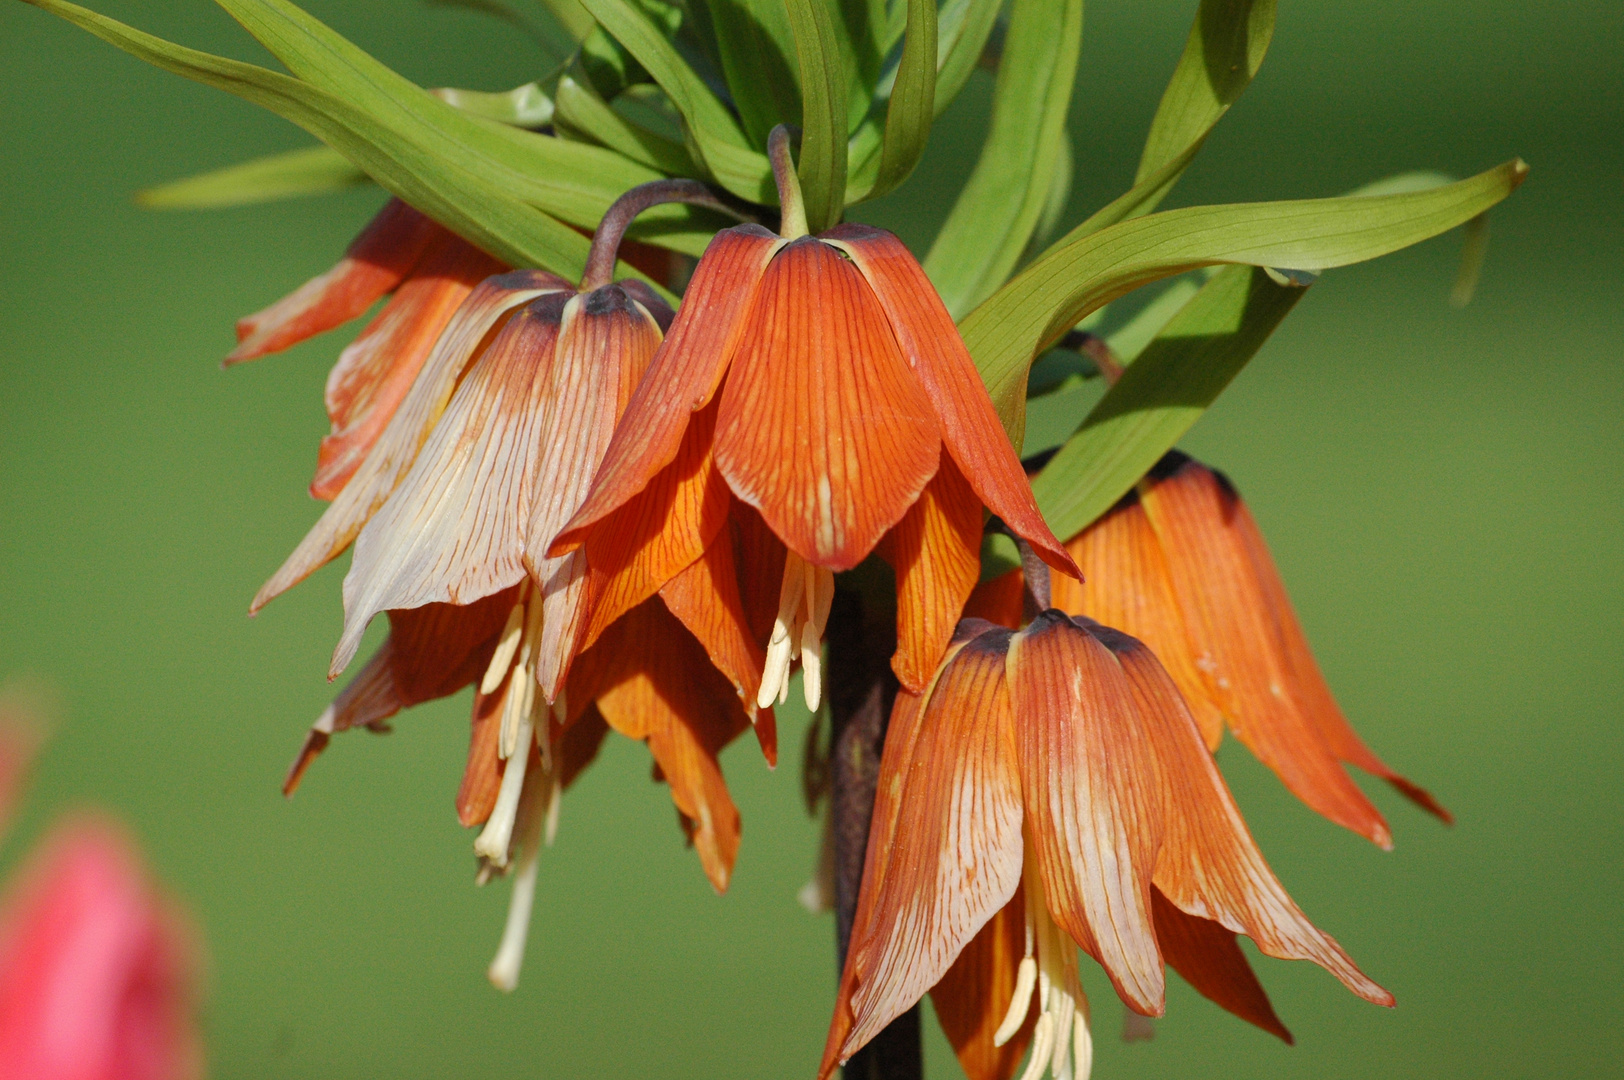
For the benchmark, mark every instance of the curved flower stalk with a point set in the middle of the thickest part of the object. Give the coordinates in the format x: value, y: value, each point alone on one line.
x: 817, y: 382
x: 1060, y: 760
x: 1180, y: 564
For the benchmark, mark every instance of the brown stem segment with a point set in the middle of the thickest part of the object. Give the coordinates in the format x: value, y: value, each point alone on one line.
x: 861, y: 689
x: 600, y: 261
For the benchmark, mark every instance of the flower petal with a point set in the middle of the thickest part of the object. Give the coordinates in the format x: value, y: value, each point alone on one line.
x: 954, y: 851
x: 376, y: 262
x: 604, y: 347
x: 1211, y: 961
x: 453, y: 531
x: 706, y: 598
x: 822, y: 427
x: 656, y: 685
x: 376, y: 370
x: 1000, y: 600
x: 1093, y: 797
x: 1126, y: 584
x: 1314, y: 696
x: 974, y: 995
x: 683, y: 377
x: 633, y: 552
x: 397, y: 447
x: 1231, y: 616
x: 970, y: 426
x: 936, y: 552
x: 1209, y: 866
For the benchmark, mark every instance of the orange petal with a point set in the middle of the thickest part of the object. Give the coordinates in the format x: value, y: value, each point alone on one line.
x: 936, y: 552
x: 706, y: 598
x: 1209, y: 865
x: 1093, y: 797
x: 1231, y: 617
x: 668, y: 695
x: 1126, y: 584
x: 482, y: 776
x: 1000, y: 600
x: 454, y: 529
x: 604, y: 347
x: 376, y: 262
x: 579, y: 744
x: 760, y: 558
x: 397, y: 447
x: 376, y: 370
x: 954, y: 855
x: 822, y: 427
x: 1211, y: 961
x: 632, y: 553
x: 974, y: 995
x: 1314, y: 695
x: 970, y: 427
x: 683, y: 377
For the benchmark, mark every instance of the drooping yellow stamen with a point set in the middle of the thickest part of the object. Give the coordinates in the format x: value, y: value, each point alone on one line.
x: 804, y: 599
x: 1061, y: 1043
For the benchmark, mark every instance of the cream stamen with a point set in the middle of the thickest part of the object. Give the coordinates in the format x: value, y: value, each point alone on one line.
x: 539, y: 802
x: 506, y: 646
x: 493, y: 841
x: 1061, y: 1044
x: 804, y: 599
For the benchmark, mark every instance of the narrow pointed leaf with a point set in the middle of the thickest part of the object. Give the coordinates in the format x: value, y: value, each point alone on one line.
x: 995, y: 215
x: 824, y: 94
x: 757, y: 54
x: 1036, y: 308
x: 313, y: 170
x: 583, y: 111
x: 728, y: 155
x: 962, y: 29
x: 1160, y: 395
x: 913, y: 99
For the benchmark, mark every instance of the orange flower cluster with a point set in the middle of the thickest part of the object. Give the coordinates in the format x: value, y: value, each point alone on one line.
x: 604, y: 515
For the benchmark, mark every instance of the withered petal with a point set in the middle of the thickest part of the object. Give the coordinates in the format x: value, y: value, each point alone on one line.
x: 1209, y: 865
x: 822, y: 428
x: 953, y: 839
x: 396, y: 449
x: 376, y: 262
x: 970, y: 427
x: 453, y: 531
x: 1093, y: 797
x: 375, y: 371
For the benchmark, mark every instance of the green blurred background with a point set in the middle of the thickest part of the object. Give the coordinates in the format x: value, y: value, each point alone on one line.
x: 1443, y: 490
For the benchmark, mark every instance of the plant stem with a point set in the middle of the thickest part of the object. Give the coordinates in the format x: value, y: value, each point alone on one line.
x: 861, y: 689
x: 792, y: 206
x: 600, y: 261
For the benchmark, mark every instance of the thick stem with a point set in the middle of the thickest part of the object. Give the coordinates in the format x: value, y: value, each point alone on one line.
x: 861, y: 689
x: 792, y: 206
x: 600, y: 261
x: 1039, y: 594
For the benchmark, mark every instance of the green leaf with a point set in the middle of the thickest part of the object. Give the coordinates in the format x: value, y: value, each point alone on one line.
x: 993, y: 220
x: 1160, y: 395
x: 962, y: 29
x: 573, y: 181
x: 822, y: 162
x: 582, y: 111
x: 1072, y: 279
x: 913, y: 99
x: 756, y: 47
x: 313, y: 170
x: 728, y: 156
x: 463, y: 201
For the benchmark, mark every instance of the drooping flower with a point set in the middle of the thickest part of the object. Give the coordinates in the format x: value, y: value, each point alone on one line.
x: 1180, y: 564
x: 1059, y: 761
x: 820, y: 383
x: 491, y: 451
x: 98, y: 972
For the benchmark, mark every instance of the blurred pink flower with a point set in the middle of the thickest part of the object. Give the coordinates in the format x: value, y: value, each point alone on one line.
x: 97, y: 971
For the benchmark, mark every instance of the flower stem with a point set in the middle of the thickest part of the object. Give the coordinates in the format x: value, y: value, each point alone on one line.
x: 600, y: 261
x: 793, y: 225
